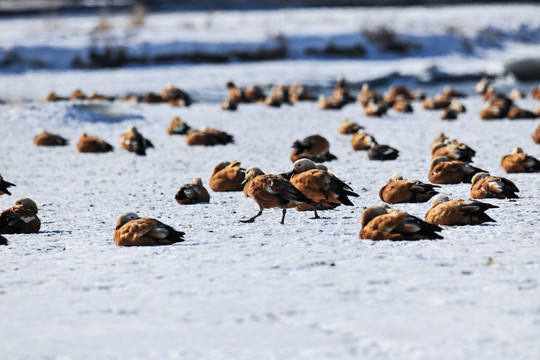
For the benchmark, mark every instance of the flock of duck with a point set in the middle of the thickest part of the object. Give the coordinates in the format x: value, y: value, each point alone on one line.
x: 310, y: 186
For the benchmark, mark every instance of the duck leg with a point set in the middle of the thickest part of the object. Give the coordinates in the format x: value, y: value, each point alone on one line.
x: 315, y: 211
x: 283, y: 216
x: 250, y: 220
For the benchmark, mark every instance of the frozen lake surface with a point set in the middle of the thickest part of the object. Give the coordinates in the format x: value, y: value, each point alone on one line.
x: 309, y: 289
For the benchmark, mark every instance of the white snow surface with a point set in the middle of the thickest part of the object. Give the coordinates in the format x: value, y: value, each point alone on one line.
x: 308, y: 289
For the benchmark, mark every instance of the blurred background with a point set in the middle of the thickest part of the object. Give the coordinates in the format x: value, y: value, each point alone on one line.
x: 7, y: 6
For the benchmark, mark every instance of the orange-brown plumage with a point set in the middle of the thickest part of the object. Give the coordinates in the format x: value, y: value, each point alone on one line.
x: 328, y: 104
x: 399, y: 190
x: 367, y: 94
x: 227, y: 176
x: 535, y: 93
x: 133, y: 141
x: 458, y: 211
x: 536, y: 134
x: 78, y: 95
x: 378, y: 224
x: 484, y: 186
x: 323, y: 188
x: 348, y: 127
x: 517, y: 113
x: 131, y: 230
x: 445, y: 171
x: 314, y: 147
x: 518, y: 161
x: 178, y: 127
x: 208, y: 137
x: 21, y: 218
x: 52, y: 97
x: 93, y: 144
x: 49, y: 139
x: 269, y: 191
x: 192, y: 193
x: 361, y: 140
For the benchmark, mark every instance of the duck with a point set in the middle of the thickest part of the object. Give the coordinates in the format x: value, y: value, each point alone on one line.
x: 272, y: 101
x: 193, y: 193
x: 93, y: 144
x: 227, y: 176
x: 518, y: 161
x: 314, y: 147
x: 348, y: 127
x: 399, y: 190
x: 229, y: 105
x: 436, y: 103
x: 535, y: 93
x: 374, y: 109
x: 448, y: 92
x: 4, y: 186
x: 297, y: 93
x: 453, y: 150
x: 153, y: 98
x: 483, y: 185
x: 482, y: 85
x: 236, y: 94
x: 536, y: 134
x: 516, y: 94
x: 206, y: 136
x: 379, y: 224
x: 458, y: 211
x: 270, y: 191
x: 361, y: 140
x: 280, y: 94
x: 175, y: 96
x: 341, y: 95
x: 382, y: 152
x: 133, y: 141
x: 515, y: 113
x: 395, y: 91
x: 457, y: 106
x: 44, y: 138
x: 451, y: 146
x: 178, y: 127
x: 442, y: 170
x: 130, y: 230
x: 52, y: 97
x: 324, y: 189
x: 449, y: 114
x: 254, y: 94
x: 402, y: 104
x: 78, y: 95
x: 21, y: 218
x: 328, y: 104
x: 366, y: 95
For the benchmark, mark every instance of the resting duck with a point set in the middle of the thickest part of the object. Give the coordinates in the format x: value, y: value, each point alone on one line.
x: 131, y: 230
x: 193, y: 193
x: 518, y: 161
x: 484, y: 186
x: 227, y: 176
x: 49, y: 139
x: 21, y: 218
x: 379, y: 224
x: 458, y: 211
x: 403, y: 191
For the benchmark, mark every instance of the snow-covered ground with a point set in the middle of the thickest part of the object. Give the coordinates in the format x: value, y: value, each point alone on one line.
x: 309, y: 289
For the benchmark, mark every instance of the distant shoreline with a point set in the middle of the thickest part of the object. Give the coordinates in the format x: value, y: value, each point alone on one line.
x: 32, y: 7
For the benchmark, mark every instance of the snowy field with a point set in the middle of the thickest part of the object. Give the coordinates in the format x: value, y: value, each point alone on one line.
x: 309, y: 289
